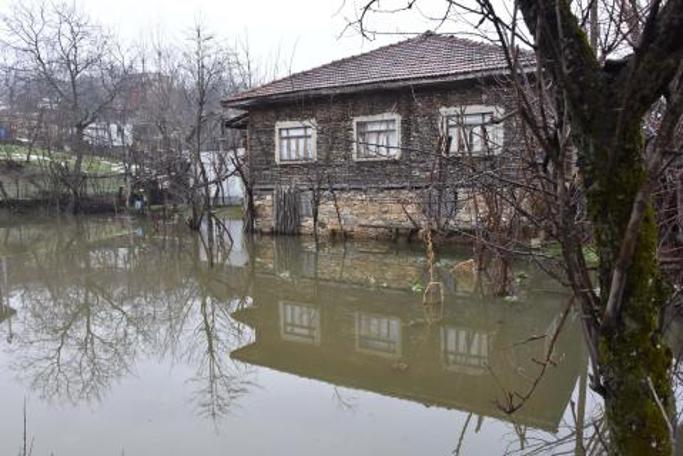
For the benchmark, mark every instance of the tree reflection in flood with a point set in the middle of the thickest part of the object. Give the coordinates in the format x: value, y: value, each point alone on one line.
x: 94, y: 297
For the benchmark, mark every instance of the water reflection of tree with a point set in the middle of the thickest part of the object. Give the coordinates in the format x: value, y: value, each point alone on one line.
x: 582, y: 432
x: 76, y: 335
x: 585, y: 431
x: 92, y: 306
x: 219, y: 383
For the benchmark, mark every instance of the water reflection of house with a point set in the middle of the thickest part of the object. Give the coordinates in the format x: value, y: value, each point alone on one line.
x: 378, y: 334
x: 299, y: 323
x: 464, y: 350
x: 377, y: 340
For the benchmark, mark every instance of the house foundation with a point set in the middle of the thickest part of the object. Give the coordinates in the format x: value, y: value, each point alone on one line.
x: 370, y: 214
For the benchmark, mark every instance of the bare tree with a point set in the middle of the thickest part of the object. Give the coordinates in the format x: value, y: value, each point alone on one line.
x: 206, y: 79
x: 182, y: 133
x: 77, y: 61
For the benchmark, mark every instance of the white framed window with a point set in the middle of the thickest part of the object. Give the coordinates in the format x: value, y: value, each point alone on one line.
x: 295, y: 141
x: 377, y: 137
x: 378, y: 335
x: 299, y: 323
x: 473, y: 130
x: 465, y: 350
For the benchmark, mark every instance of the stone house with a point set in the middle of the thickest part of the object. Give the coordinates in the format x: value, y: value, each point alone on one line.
x: 361, y: 144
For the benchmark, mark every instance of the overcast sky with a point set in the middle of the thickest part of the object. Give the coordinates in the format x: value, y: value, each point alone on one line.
x: 308, y: 30
x: 302, y: 33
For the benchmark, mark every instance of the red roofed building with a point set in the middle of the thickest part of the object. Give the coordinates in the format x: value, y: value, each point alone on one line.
x: 357, y: 143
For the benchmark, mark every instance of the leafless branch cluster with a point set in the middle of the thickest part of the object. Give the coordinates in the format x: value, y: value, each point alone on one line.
x: 85, y: 116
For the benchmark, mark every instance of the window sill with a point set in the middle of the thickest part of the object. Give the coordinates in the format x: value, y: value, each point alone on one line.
x: 379, y: 159
x: 295, y: 162
x: 472, y: 155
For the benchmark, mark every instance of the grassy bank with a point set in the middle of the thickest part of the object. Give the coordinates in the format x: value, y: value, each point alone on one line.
x: 28, y: 174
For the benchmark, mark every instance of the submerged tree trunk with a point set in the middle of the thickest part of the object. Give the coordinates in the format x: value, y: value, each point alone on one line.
x: 76, y: 178
x: 249, y: 216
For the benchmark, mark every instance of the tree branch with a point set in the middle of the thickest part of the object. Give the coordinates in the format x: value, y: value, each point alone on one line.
x: 567, y: 55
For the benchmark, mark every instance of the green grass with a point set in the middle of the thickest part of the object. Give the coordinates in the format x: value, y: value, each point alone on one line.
x: 554, y: 249
x: 230, y: 212
x: 18, y: 180
x: 226, y: 212
x: 40, y: 159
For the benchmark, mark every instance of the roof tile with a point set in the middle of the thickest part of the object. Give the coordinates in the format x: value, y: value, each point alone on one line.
x: 423, y: 57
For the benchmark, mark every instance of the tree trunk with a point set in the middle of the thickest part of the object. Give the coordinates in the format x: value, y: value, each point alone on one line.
x: 634, y: 360
x: 3, y: 192
x: 196, y: 217
x: 127, y: 169
x: 76, y: 178
x: 249, y: 210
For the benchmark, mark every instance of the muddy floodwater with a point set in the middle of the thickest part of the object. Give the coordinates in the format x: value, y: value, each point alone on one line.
x: 126, y: 339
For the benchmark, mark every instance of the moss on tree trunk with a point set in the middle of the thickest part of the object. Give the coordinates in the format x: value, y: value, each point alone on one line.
x: 634, y: 360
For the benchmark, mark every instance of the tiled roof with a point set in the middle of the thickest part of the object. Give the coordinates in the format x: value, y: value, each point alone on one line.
x: 427, y: 56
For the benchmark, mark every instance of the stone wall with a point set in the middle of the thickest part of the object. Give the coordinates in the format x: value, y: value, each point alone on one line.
x: 372, y: 213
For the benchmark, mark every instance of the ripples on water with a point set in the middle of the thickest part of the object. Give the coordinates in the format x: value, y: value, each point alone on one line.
x: 136, y: 341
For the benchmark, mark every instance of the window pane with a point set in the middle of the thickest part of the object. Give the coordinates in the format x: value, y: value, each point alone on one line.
x: 298, y: 147
x: 377, y: 138
x: 296, y: 143
x: 464, y: 350
x: 469, y: 133
x: 378, y: 334
x: 292, y: 149
x: 299, y: 323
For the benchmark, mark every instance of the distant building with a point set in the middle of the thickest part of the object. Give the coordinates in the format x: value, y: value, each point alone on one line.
x: 8, y: 128
x: 226, y: 186
x: 109, y: 135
